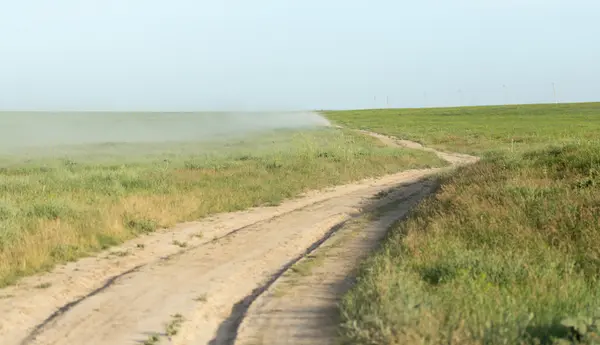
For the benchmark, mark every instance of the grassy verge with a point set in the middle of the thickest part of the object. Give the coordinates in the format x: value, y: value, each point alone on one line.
x: 507, y: 252
x: 55, y: 210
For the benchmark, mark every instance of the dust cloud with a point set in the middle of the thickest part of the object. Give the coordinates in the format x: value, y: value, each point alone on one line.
x: 27, y: 130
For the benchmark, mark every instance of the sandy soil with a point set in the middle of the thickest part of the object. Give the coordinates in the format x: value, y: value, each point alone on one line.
x: 205, y: 274
x: 300, y: 308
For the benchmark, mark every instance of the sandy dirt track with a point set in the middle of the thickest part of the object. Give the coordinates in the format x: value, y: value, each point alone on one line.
x: 300, y: 308
x: 131, y: 293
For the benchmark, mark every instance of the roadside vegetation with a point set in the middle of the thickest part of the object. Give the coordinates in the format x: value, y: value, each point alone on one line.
x: 62, y: 203
x: 508, y: 250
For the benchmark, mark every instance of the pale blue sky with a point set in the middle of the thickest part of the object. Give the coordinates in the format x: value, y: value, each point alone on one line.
x: 301, y: 54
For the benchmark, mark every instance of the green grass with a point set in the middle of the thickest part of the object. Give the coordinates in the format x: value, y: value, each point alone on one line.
x: 508, y: 250
x: 59, y: 207
x: 172, y: 328
x: 479, y: 130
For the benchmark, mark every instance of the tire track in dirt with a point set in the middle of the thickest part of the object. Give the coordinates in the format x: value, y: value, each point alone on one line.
x: 301, y: 308
x: 126, y: 299
x: 228, y: 330
x: 24, y: 307
x: 110, y: 281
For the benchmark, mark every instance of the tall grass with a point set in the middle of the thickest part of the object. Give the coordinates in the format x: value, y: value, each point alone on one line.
x: 59, y: 207
x: 507, y: 251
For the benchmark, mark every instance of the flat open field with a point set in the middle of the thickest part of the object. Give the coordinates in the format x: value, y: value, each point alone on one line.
x: 73, y: 184
x: 508, y: 250
x: 479, y: 130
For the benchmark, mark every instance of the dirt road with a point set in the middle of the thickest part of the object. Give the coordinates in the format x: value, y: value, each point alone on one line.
x: 194, y: 284
x: 300, y: 308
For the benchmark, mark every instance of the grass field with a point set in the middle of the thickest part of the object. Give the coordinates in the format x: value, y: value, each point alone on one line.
x: 508, y: 250
x: 479, y: 130
x: 63, y: 202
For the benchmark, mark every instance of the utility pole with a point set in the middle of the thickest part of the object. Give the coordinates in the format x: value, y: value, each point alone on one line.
x: 425, y: 98
x: 387, y: 101
x: 505, y: 95
x: 554, y: 91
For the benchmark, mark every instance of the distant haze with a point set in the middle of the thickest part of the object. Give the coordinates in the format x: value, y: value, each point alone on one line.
x: 24, y: 130
x: 240, y: 55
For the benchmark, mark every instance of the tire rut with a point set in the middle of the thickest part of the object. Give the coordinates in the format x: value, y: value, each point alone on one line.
x: 302, y: 309
x: 228, y: 330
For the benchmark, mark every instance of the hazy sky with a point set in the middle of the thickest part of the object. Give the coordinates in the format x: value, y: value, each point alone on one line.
x: 301, y: 54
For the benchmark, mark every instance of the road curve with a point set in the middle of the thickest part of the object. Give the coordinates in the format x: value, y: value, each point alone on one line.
x: 152, y: 291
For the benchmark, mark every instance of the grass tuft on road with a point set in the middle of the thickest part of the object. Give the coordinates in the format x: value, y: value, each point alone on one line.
x: 59, y: 207
x: 507, y: 252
